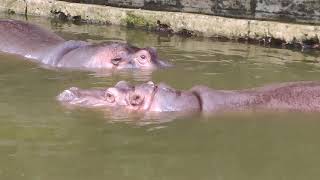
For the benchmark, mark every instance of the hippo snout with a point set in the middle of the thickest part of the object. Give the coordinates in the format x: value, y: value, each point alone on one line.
x: 67, y: 95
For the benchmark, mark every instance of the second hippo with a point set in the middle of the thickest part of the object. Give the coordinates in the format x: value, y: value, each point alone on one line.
x: 149, y: 97
x: 34, y: 42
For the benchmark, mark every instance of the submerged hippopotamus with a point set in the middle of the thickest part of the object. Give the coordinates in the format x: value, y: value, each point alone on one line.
x: 34, y: 42
x: 149, y: 97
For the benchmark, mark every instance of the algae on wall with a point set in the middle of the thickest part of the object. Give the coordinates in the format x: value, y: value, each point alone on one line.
x: 307, y: 11
x: 132, y: 20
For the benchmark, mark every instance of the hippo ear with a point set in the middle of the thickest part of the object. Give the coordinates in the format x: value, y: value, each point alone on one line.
x: 150, y: 83
x: 120, y: 83
x: 73, y: 88
x: 124, y: 85
x: 152, y: 50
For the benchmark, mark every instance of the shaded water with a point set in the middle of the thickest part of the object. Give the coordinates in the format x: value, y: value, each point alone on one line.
x: 40, y: 139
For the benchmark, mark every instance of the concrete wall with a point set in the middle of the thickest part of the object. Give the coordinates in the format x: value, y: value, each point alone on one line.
x: 293, y: 10
x: 198, y: 24
x: 307, y: 11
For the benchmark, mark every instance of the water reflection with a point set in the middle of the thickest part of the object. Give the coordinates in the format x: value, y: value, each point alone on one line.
x: 139, y: 76
x: 145, y: 119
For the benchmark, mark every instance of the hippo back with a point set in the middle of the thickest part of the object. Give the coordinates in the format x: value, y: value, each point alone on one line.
x: 26, y: 39
x: 298, y: 96
x: 295, y: 96
x: 223, y: 100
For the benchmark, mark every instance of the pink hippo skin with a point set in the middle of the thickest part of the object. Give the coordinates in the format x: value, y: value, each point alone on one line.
x: 34, y: 42
x: 149, y: 97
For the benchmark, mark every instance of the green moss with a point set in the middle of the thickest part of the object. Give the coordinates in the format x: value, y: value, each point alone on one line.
x: 10, y: 11
x: 132, y: 20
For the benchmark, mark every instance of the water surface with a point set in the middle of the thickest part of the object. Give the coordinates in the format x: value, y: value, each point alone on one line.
x: 40, y: 139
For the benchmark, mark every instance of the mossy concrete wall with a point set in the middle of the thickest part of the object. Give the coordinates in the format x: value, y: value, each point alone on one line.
x: 280, y: 10
x: 201, y: 25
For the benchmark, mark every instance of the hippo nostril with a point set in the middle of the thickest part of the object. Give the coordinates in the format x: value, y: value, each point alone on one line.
x: 116, y: 61
x: 66, y: 96
x: 136, y: 100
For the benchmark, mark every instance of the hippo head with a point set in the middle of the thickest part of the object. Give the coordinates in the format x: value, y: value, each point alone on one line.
x: 125, y: 56
x: 106, y: 97
x: 149, y: 97
x: 146, y: 97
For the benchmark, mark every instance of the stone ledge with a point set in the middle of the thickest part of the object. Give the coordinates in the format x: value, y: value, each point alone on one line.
x: 198, y: 24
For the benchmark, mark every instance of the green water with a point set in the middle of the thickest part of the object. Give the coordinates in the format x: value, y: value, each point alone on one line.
x: 41, y: 140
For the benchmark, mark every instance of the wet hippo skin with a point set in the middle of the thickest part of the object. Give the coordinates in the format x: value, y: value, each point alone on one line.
x: 149, y: 97
x: 34, y: 42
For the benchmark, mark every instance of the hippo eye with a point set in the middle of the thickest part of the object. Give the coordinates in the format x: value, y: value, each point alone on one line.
x: 136, y: 100
x: 109, y: 97
x: 143, y: 59
x: 116, y: 61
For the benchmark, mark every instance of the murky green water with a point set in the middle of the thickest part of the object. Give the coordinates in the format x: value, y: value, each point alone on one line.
x: 41, y: 140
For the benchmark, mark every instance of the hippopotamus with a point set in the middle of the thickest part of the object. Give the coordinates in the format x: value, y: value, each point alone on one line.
x: 151, y: 97
x: 39, y: 44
